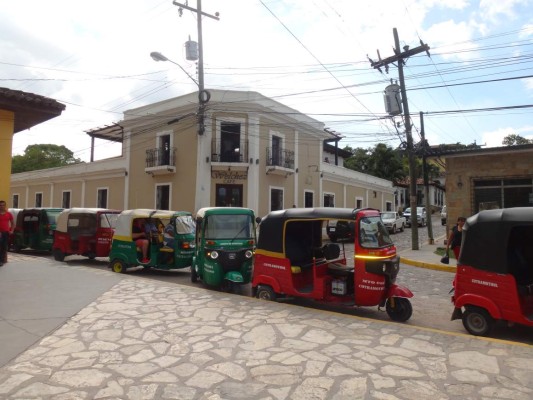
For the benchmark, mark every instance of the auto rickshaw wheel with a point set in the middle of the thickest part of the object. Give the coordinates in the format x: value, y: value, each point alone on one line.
x: 59, y: 255
x: 119, y: 266
x: 399, y: 309
x: 477, y: 321
x: 194, y: 274
x: 266, y: 293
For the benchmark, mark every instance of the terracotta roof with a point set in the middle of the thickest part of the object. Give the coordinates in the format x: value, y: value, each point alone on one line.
x: 30, y: 109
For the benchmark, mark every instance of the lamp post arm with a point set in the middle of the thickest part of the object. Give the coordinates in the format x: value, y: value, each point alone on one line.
x: 160, y: 57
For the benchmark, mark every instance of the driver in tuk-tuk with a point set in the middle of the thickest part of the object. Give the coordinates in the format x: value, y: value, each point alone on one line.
x: 141, y: 238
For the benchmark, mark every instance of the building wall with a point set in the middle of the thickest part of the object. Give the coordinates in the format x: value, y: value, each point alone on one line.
x: 461, y: 171
x: 193, y: 184
x: 82, y: 180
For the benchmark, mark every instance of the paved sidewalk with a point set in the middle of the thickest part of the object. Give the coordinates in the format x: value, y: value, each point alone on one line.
x: 425, y: 257
x: 145, y: 339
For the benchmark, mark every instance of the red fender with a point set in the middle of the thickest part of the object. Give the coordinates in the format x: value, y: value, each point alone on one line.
x: 399, y: 291
x: 478, y: 301
x: 267, y: 281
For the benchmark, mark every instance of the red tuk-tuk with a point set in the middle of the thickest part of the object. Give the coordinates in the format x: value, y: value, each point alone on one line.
x: 84, y: 231
x: 494, y: 278
x: 291, y: 260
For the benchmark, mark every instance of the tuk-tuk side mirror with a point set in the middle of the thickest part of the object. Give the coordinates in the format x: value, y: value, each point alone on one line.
x: 257, y: 220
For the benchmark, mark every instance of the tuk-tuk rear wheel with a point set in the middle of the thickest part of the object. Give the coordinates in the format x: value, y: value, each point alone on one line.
x: 59, y: 255
x: 266, y: 293
x: 119, y: 266
x: 477, y: 321
x: 399, y: 309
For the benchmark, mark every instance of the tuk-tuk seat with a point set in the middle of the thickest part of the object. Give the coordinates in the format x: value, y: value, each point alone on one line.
x: 166, y: 249
x: 331, y: 251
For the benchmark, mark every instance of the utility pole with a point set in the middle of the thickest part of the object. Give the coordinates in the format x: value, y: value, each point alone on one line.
x: 203, y: 95
x: 425, y: 174
x: 400, y: 58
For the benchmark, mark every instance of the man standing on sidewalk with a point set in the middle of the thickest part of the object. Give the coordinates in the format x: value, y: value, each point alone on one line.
x: 6, y: 227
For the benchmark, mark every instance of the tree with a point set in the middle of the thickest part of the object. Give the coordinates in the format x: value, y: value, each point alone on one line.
x: 381, y: 161
x: 515, y: 140
x: 43, y: 156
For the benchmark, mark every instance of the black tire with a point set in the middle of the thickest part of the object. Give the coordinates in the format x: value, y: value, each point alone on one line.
x: 194, y: 275
x: 266, y: 293
x: 119, y: 266
x: 17, y: 248
x: 477, y: 321
x: 333, y: 238
x: 59, y: 255
x: 401, y: 311
x: 91, y: 256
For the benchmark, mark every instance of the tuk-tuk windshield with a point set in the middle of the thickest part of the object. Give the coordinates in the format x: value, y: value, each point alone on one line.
x: 185, y: 224
x: 52, y: 216
x: 108, y: 220
x: 223, y: 226
x: 372, y: 233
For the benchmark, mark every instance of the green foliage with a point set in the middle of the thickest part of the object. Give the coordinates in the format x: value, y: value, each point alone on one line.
x: 515, y: 140
x: 381, y: 161
x: 43, y: 156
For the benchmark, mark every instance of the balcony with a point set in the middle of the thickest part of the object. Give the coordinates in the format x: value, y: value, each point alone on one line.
x: 279, y: 162
x: 235, y: 158
x: 160, y: 161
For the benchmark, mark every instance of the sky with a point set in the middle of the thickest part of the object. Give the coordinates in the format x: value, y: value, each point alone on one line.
x: 311, y: 55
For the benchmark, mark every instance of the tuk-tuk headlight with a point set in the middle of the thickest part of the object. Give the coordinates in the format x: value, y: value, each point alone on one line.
x: 248, y: 254
x: 214, y: 254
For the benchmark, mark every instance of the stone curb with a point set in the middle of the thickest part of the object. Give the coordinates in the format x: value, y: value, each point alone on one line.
x: 427, y: 265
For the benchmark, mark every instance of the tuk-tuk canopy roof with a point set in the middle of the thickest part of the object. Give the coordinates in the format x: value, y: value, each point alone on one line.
x: 485, y: 238
x: 37, y: 211
x: 273, y: 224
x: 206, y: 211
x: 126, y: 217
x: 62, y: 218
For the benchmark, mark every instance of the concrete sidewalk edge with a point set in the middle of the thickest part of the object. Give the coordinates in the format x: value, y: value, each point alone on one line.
x: 427, y: 265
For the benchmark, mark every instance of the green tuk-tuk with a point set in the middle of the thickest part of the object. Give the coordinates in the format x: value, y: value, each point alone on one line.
x: 34, y: 229
x: 225, y: 244
x: 170, y: 237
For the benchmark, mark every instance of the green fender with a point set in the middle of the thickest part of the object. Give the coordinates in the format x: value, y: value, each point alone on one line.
x: 234, y: 276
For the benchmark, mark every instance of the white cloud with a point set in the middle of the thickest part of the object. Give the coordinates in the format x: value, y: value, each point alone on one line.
x: 495, y: 138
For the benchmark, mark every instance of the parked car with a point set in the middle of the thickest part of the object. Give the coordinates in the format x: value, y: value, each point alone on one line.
x: 421, y: 216
x: 393, y: 221
x: 443, y: 215
x: 340, y: 230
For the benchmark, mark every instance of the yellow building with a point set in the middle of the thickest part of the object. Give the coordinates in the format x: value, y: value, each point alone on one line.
x: 255, y: 153
x: 20, y: 111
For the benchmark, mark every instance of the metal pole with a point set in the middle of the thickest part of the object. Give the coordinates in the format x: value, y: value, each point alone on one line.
x: 201, y: 99
x: 426, y: 180
x: 410, y: 153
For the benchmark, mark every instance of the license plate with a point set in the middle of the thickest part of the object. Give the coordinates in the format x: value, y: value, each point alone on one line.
x: 332, y: 229
x: 232, y: 256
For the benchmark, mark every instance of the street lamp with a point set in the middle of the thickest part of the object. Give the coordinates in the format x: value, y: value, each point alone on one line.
x: 203, y: 95
x: 157, y: 56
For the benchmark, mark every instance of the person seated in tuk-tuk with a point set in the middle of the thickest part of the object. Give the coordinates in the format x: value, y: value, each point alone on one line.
x: 141, y: 239
x: 168, y: 234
